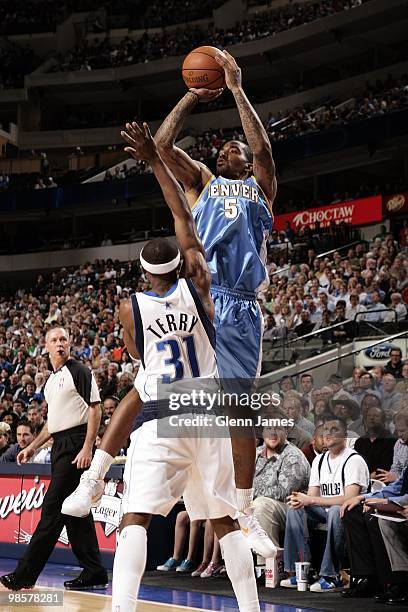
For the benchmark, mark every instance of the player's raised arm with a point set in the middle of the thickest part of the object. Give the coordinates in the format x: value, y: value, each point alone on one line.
x: 142, y: 146
x: 258, y: 140
x: 192, y: 174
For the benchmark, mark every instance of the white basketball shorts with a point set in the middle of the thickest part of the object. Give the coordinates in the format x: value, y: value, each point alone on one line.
x: 159, y: 471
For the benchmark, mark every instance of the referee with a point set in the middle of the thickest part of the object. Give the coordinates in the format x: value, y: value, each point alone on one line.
x: 74, y: 415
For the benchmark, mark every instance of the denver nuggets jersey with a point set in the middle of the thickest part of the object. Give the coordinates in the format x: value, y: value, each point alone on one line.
x: 233, y: 220
x: 174, y: 337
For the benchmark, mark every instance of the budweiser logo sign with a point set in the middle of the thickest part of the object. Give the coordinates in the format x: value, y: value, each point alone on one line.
x: 25, y: 500
x: 325, y: 216
x: 395, y: 203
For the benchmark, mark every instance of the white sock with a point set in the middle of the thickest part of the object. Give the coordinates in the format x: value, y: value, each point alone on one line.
x: 240, y: 569
x: 244, y: 498
x: 101, y: 463
x: 128, y: 568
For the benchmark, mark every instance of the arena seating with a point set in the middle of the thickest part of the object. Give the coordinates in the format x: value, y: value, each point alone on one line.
x: 103, y: 53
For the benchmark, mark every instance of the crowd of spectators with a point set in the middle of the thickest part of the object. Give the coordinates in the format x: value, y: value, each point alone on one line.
x: 378, y: 99
x: 28, y: 16
x: 104, y: 54
x: 86, y: 301
x: 15, y: 62
x: 126, y: 172
x: 301, y: 297
x: 342, y: 295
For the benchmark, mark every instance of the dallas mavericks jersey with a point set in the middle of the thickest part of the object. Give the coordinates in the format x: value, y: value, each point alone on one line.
x: 174, y: 337
x: 233, y: 220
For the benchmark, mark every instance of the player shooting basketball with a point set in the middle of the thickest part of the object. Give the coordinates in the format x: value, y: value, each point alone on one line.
x: 233, y: 215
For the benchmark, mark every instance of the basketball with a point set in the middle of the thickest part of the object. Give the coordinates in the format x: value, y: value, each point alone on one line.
x: 200, y: 69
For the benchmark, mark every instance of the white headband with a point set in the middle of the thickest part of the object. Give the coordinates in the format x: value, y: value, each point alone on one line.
x: 160, y: 268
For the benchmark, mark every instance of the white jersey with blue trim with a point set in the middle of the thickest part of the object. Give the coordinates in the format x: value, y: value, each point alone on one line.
x: 233, y: 219
x: 174, y: 336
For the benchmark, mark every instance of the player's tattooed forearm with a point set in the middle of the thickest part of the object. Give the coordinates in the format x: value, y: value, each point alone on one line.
x: 252, y: 125
x: 171, y: 126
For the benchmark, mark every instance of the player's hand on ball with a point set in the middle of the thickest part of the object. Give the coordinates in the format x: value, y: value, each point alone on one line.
x: 142, y: 145
x: 232, y: 71
x: 206, y: 95
x: 25, y: 455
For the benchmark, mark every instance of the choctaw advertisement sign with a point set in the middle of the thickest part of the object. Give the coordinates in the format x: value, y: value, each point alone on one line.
x: 21, y: 499
x: 355, y: 212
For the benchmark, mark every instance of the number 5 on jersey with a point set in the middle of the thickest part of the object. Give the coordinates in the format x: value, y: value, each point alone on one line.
x: 230, y: 208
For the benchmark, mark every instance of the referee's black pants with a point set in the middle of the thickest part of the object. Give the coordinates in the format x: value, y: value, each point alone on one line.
x: 81, y: 531
x: 365, y: 545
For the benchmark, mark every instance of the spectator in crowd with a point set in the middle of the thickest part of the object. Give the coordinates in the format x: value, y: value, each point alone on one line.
x: 365, y: 384
x: 344, y: 407
x: 280, y: 469
x: 176, y: 561
x: 34, y: 416
x: 109, y: 405
x: 4, y: 438
x: 371, y: 399
x: 400, y: 455
x: 377, y: 444
x: 402, y: 384
x: 316, y: 447
x: 337, y: 475
x: 397, y: 307
x: 292, y: 407
x: 390, y: 397
x: 306, y: 389
x: 342, y: 333
x: 370, y: 565
x: 25, y: 435
x: 354, y: 309
x: 110, y: 386
x: 19, y: 406
x: 375, y: 312
x: 394, y: 365
x: 305, y: 326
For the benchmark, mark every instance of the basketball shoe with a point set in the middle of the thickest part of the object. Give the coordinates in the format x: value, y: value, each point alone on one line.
x: 256, y: 537
x: 87, y: 495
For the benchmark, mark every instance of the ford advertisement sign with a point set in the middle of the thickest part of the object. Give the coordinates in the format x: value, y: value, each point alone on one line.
x: 369, y: 356
x: 381, y: 351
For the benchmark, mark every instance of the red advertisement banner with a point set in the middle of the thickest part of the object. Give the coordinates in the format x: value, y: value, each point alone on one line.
x: 396, y: 204
x: 355, y: 212
x: 21, y: 499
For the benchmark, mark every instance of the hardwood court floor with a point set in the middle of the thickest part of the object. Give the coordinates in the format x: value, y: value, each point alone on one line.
x: 90, y: 602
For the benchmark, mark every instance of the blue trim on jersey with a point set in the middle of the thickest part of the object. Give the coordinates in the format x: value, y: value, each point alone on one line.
x: 139, y: 332
x: 202, y: 313
x: 169, y: 292
x: 149, y: 412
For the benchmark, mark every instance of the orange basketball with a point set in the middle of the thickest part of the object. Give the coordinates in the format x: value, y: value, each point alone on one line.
x: 200, y: 69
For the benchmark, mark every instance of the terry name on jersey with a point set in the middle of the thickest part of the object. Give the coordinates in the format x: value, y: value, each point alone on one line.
x: 179, y: 321
x: 236, y: 190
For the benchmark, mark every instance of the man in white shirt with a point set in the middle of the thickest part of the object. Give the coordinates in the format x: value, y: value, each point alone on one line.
x: 335, y: 477
x: 355, y: 308
x: 375, y: 314
x: 398, y: 307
